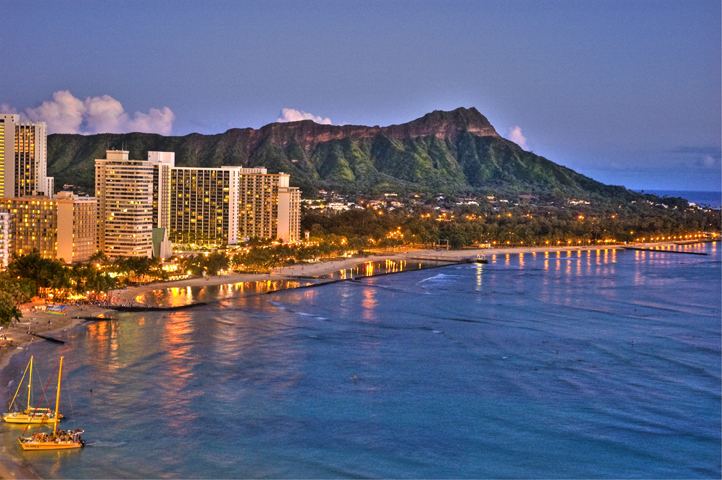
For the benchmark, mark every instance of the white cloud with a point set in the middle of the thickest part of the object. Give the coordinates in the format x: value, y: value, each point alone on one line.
x: 104, y: 114
x: 63, y: 113
x: 5, y: 108
x: 517, y: 136
x: 293, y: 115
x: 66, y: 113
x: 158, y: 120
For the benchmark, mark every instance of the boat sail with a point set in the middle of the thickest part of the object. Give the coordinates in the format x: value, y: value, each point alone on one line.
x: 58, y: 439
x: 31, y: 415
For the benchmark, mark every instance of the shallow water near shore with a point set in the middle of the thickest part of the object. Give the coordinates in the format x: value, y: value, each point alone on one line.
x: 599, y: 364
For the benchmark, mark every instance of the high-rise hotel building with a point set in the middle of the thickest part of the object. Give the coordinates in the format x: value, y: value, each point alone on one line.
x: 77, y: 227
x: 220, y: 206
x: 23, y: 158
x: 63, y: 228
x: 288, y: 228
x: 197, y: 206
x: 33, y: 225
x: 124, y: 189
x: 269, y: 207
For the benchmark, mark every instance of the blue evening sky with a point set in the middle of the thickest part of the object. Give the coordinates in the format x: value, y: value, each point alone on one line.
x: 627, y: 92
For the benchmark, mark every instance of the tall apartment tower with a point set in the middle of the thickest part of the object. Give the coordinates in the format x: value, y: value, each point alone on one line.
x: 197, y: 206
x: 23, y: 158
x: 163, y: 163
x: 77, y: 227
x: 33, y: 225
x: 258, y: 208
x: 204, y: 206
x: 124, y: 189
x: 288, y: 228
x: 214, y: 207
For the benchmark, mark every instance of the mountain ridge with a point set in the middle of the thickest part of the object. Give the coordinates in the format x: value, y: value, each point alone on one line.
x: 443, y: 151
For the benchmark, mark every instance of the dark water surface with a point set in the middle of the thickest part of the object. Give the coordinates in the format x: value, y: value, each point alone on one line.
x: 600, y: 364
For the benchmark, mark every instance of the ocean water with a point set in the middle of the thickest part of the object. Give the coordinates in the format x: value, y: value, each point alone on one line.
x: 593, y: 365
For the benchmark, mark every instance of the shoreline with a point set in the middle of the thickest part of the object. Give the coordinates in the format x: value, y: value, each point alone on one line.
x: 132, y: 296
x: 14, y: 466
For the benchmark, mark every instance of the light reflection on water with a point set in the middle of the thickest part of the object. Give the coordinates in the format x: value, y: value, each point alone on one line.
x: 178, y: 296
x: 586, y: 364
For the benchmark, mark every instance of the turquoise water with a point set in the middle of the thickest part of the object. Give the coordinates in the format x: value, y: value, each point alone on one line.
x: 604, y: 364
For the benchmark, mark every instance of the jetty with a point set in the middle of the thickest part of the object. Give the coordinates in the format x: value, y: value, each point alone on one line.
x: 143, y: 308
x: 450, y: 261
x: 48, y: 338
x: 659, y: 250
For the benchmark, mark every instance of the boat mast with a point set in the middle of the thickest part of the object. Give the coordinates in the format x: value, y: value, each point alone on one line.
x: 30, y: 381
x: 17, y: 390
x: 57, y: 398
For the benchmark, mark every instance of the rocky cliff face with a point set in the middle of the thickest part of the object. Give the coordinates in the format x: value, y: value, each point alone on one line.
x: 452, y: 151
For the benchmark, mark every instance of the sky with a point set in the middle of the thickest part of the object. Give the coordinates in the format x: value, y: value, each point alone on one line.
x: 627, y: 92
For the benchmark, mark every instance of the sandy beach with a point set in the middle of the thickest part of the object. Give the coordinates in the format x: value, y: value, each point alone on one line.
x: 133, y: 295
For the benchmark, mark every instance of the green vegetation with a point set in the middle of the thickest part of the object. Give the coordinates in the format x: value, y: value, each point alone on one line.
x: 263, y: 257
x: 451, y: 152
x: 518, y: 225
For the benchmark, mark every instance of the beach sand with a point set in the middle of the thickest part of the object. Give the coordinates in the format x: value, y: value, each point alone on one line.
x: 132, y: 295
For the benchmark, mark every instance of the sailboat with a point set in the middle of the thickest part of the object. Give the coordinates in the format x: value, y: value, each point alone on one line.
x: 31, y: 415
x: 58, y: 439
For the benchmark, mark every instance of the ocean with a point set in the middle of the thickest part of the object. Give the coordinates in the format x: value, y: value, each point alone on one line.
x: 564, y: 365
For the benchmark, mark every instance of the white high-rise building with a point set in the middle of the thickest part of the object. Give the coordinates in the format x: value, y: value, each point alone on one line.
x: 217, y: 206
x: 23, y: 158
x: 288, y: 227
x: 124, y: 189
x: 162, y: 163
x: 197, y: 206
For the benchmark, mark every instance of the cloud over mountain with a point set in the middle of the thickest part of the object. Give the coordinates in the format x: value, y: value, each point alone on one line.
x: 66, y: 113
x: 293, y: 115
x: 517, y: 136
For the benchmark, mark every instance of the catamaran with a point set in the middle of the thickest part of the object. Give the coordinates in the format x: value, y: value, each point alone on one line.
x: 31, y: 415
x: 58, y: 439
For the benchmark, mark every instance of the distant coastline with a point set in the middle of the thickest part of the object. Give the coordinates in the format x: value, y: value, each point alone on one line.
x: 709, y: 198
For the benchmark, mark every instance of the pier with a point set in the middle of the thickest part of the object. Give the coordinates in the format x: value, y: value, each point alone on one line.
x: 449, y: 261
x: 657, y: 250
x: 48, y: 338
x: 141, y: 308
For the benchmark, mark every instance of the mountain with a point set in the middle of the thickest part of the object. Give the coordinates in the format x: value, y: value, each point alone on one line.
x: 443, y: 151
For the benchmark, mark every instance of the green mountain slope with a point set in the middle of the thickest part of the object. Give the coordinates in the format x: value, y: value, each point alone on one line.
x: 452, y: 152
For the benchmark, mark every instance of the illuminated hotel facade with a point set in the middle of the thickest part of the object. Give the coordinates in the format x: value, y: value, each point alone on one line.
x: 62, y: 228
x: 288, y: 228
x: 23, y: 158
x: 124, y: 191
x: 269, y: 207
x: 33, y: 225
x: 220, y: 206
x: 77, y: 227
